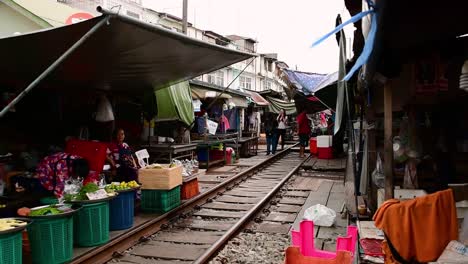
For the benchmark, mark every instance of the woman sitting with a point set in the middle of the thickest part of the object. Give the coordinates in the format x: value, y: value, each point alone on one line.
x: 124, y: 167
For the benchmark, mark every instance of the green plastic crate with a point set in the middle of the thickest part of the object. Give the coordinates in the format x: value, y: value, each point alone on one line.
x: 49, y: 200
x: 11, y: 248
x: 91, y: 225
x: 51, y: 240
x: 160, y: 201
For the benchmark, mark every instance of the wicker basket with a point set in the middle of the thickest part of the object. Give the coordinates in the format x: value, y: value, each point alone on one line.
x: 160, y: 179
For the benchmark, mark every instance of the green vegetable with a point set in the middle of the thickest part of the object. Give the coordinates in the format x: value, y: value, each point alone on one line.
x: 45, y: 211
x: 88, y: 188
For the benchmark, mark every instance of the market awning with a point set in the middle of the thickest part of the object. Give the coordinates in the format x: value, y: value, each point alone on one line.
x: 175, y: 103
x: 201, y: 93
x: 321, y: 86
x: 276, y: 105
x: 124, y: 54
x: 238, y: 101
x: 258, y: 99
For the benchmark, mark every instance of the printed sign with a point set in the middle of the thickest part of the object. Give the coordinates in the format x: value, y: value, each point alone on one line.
x: 212, y: 126
x: 78, y: 17
x: 99, y: 194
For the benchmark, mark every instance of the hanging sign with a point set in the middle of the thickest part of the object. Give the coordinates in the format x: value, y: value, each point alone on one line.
x: 212, y: 126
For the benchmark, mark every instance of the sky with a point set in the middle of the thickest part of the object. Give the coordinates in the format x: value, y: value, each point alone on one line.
x: 284, y: 27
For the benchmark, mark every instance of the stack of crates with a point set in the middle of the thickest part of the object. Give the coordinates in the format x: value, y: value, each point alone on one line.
x: 160, y: 188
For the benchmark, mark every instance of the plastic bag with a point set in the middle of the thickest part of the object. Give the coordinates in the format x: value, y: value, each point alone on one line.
x: 464, y: 229
x: 320, y: 215
x: 104, y: 110
x: 378, y: 176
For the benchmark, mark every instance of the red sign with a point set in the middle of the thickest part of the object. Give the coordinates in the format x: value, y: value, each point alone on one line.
x: 78, y: 17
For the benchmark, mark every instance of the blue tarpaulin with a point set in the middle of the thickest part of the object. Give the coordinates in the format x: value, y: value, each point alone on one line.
x: 310, y: 83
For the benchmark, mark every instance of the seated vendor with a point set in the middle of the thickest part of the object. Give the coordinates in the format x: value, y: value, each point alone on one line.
x: 56, y: 169
x: 124, y: 167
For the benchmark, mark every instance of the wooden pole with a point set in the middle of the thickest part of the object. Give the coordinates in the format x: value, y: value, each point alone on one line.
x: 388, y: 143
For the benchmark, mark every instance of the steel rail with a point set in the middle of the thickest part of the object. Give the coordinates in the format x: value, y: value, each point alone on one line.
x: 106, y: 252
x: 228, y: 235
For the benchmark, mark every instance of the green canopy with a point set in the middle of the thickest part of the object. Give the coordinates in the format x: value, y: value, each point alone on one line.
x: 276, y: 105
x: 175, y: 103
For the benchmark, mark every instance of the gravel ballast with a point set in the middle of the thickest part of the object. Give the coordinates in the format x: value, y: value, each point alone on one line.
x: 254, y: 248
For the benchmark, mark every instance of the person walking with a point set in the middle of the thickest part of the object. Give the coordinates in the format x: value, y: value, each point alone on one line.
x: 303, y: 129
x: 281, y: 130
x: 270, y: 127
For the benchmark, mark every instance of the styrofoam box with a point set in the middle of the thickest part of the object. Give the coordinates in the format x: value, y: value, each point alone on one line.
x: 400, y: 194
x: 324, y: 141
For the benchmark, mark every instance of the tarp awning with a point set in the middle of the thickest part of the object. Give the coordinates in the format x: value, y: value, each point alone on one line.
x: 124, y: 55
x: 258, y: 99
x: 239, y: 101
x: 201, y: 93
x: 175, y: 103
x: 276, y: 105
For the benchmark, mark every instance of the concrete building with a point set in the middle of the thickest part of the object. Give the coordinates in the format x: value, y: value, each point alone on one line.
x: 257, y: 75
x: 20, y: 16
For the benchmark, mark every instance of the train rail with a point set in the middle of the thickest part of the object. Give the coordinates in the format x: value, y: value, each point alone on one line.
x: 200, y: 227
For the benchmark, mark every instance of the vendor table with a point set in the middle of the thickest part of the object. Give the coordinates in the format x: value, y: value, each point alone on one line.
x: 248, y: 146
x: 206, y: 146
x: 167, y: 151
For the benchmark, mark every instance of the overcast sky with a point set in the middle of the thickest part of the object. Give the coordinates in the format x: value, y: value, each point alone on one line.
x: 284, y: 27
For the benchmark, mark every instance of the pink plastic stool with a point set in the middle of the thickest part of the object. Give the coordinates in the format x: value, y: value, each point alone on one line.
x: 304, y: 239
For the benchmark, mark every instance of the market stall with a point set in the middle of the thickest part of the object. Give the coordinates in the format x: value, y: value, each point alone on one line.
x: 62, y: 83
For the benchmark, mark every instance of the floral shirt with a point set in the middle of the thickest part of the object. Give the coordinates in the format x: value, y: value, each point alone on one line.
x: 121, y: 154
x: 55, y: 166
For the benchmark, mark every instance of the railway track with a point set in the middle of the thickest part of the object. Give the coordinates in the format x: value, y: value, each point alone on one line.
x: 199, y: 228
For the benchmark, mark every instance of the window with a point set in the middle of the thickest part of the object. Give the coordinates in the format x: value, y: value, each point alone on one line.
x: 245, y: 82
x: 267, y: 85
x: 216, y: 78
x: 133, y: 14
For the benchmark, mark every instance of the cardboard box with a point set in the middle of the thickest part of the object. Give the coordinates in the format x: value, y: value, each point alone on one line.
x: 160, y: 179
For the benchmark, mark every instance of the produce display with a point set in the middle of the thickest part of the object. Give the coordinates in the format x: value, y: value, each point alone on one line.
x: 46, y: 210
x: 9, y: 223
x: 81, y: 195
x: 116, y: 186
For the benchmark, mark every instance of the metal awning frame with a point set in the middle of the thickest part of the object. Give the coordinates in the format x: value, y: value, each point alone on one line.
x: 54, y: 65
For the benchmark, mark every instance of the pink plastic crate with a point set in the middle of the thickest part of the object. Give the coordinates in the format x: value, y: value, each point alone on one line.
x: 304, y: 239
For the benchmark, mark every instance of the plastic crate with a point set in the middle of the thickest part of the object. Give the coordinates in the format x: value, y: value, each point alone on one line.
x: 325, y: 153
x: 160, y: 201
x: 121, y: 211
x: 313, y: 145
x: 49, y: 200
x: 11, y: 248
x: 51, y: 240
x: 91, y: 226
x: 189, y: 189
x: 202, y: 155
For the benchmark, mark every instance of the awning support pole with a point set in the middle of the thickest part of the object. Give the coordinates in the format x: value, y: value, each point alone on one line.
x: 53, y: 66
x: 388, y: 143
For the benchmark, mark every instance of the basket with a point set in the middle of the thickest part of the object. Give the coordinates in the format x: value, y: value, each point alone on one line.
x: 121, y: 210
x: 11, y: 248
x: 91, y: 226
x: 51, y: 240
x: 189, y: 189
x: 160, y: 201
x: 49, y: 200
x: 160, y: 179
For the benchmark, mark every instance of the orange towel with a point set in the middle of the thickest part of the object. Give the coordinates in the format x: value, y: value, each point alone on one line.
x: 421, y: 228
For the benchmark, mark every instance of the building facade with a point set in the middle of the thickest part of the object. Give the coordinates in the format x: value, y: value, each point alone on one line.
x: 258, y: 74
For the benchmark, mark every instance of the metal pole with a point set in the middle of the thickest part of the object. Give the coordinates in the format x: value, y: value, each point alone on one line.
x: 53, y: 66
x: 388, y: 143
x: 185, y: 16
